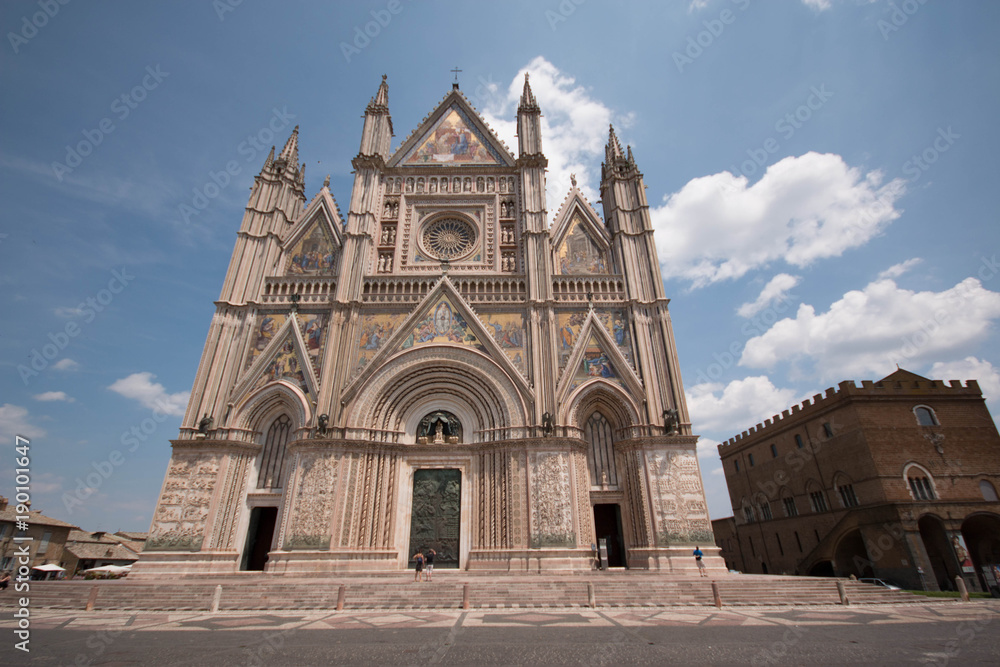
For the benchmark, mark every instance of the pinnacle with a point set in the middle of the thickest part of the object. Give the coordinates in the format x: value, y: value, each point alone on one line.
x: 382, y: 96
x: 527, y: 97
x: 290, y: 153
x: 614, y: 148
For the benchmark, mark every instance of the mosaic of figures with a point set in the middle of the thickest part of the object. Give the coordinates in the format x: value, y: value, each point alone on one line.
x: 453, y: 141
x: 286, y: 365
x: 268, y: 324
x: 443, y: 324
x: 614, y: 322
x: 595, y: 364
x: 508, y: 332
x: 578, y: 254
x: 375, y: 331
x: 315, y: 254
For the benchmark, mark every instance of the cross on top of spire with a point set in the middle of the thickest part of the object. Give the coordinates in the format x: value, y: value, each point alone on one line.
x: 455, y: 83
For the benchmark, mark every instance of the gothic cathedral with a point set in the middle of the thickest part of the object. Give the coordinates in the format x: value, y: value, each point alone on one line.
x: 441, y: 369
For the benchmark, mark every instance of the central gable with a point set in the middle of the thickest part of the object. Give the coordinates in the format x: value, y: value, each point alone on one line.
x: 453, y: 134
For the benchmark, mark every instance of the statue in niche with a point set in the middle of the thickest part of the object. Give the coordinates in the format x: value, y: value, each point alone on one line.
x: 439, y: 427
x: 322, y: 422
x: 547, y: 423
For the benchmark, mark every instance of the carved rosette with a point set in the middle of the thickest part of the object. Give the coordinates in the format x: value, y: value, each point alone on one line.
x: 678, y: 501
x: 551, y: 500
x: 179, y: 522
x: 312, y: 512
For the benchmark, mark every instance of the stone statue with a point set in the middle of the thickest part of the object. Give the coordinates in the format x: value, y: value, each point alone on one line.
x: 547, y: 425
x: 671, y: 421
x: 323, y: 421
x: 205, y: 425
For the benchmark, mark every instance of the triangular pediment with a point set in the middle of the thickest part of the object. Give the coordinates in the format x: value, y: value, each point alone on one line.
x: 580, y: 243
x: 453, y: 134
x: 595, y: 357
x: 286, y: 358
x: 314, y: 244
x: 442, y: 318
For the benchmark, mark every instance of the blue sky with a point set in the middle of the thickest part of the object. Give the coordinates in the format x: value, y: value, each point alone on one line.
x: 820, y: 174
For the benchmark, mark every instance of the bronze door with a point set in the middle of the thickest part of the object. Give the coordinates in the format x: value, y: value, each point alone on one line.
x: 436, y: 515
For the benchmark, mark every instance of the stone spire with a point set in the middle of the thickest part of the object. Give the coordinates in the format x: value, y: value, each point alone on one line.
x: 614, y: 148
x: 290, y: 153
x: 376, y: 136
x: 527, y: 97
x: 269, y: 160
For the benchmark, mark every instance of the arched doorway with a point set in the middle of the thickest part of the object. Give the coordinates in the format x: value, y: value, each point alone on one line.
x: 824, y: 568
x: 851, y: 556
x: 939, y: 552
x: 982, y: 538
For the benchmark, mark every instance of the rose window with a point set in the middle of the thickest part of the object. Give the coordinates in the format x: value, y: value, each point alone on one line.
x: 448, y: 238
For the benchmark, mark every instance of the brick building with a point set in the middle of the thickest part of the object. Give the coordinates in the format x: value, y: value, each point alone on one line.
x: 48, y: 537
x: 894, y: 479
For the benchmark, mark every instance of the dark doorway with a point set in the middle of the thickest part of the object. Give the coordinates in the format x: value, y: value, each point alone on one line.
x: 824, y: 568
x: 436, y: 516
x: 852, y: 556
x: 260, y: 532
x: 939, y: 551
x: 608, y: 526
x: 982, y: 537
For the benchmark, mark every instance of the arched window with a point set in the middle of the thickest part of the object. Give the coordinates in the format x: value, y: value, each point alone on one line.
x: 273, y: 456
x: 920, y: 483
x: 925, y: 416
x: 602, y: 452
x: 988, y: 491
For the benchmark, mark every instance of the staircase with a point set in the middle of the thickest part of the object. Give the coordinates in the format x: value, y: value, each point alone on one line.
x: 446, y: 591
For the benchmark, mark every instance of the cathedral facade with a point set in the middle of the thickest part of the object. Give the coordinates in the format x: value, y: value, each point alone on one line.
x: 443, y: 368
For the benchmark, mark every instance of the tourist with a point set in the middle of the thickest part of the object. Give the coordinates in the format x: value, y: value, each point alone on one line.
x: 701, y: 564
x: 4, y: 581
x: 419, y: 559
x: 430, y: 565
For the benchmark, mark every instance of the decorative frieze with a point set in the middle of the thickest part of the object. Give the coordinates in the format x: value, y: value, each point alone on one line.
x: 551, y: 500
x: 678, y: 503
x: 179, y: 522
x: 311, y: 516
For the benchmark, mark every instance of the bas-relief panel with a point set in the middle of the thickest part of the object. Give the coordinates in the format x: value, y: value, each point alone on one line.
x: 375, y: 331
x: 443, y: 324
x: 312, y: 516
x: 314, y: 255
x: 551, y: 500
x: 678, y: 499
x: 453, y: 141
x: 578, y: 254
x: 614, y: 322
x: 508, y: 332
x: 179, y: 522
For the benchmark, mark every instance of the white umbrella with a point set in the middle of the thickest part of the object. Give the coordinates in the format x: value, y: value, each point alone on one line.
x: 49, y: 567
x: 111, y: 569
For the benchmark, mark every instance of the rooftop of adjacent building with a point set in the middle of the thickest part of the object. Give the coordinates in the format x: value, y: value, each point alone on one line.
x: 35, y: 518
x: 900, y: 383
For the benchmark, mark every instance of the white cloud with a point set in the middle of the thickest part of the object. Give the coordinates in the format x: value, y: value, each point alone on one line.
x: 68, y: 312
x: 140, y: 387
x: 66, y: 364
x: 54, y: 396
x: 735, y: 407
x: 896, y: 270
x: 867, y: 332
x: 776, y: 289
x: 14, y: 422
x: 803, y: 209
x: 697, y: 5
x: 818, y: 5
x: 574, y: 128
x: 971, y: 368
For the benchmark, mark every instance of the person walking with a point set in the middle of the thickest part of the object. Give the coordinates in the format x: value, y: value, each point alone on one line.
x: 701, y: 564
x: 429, y: 572
x: 418, y: 558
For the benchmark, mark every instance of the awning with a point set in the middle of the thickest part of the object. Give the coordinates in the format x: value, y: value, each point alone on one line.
x: 49, y: 567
